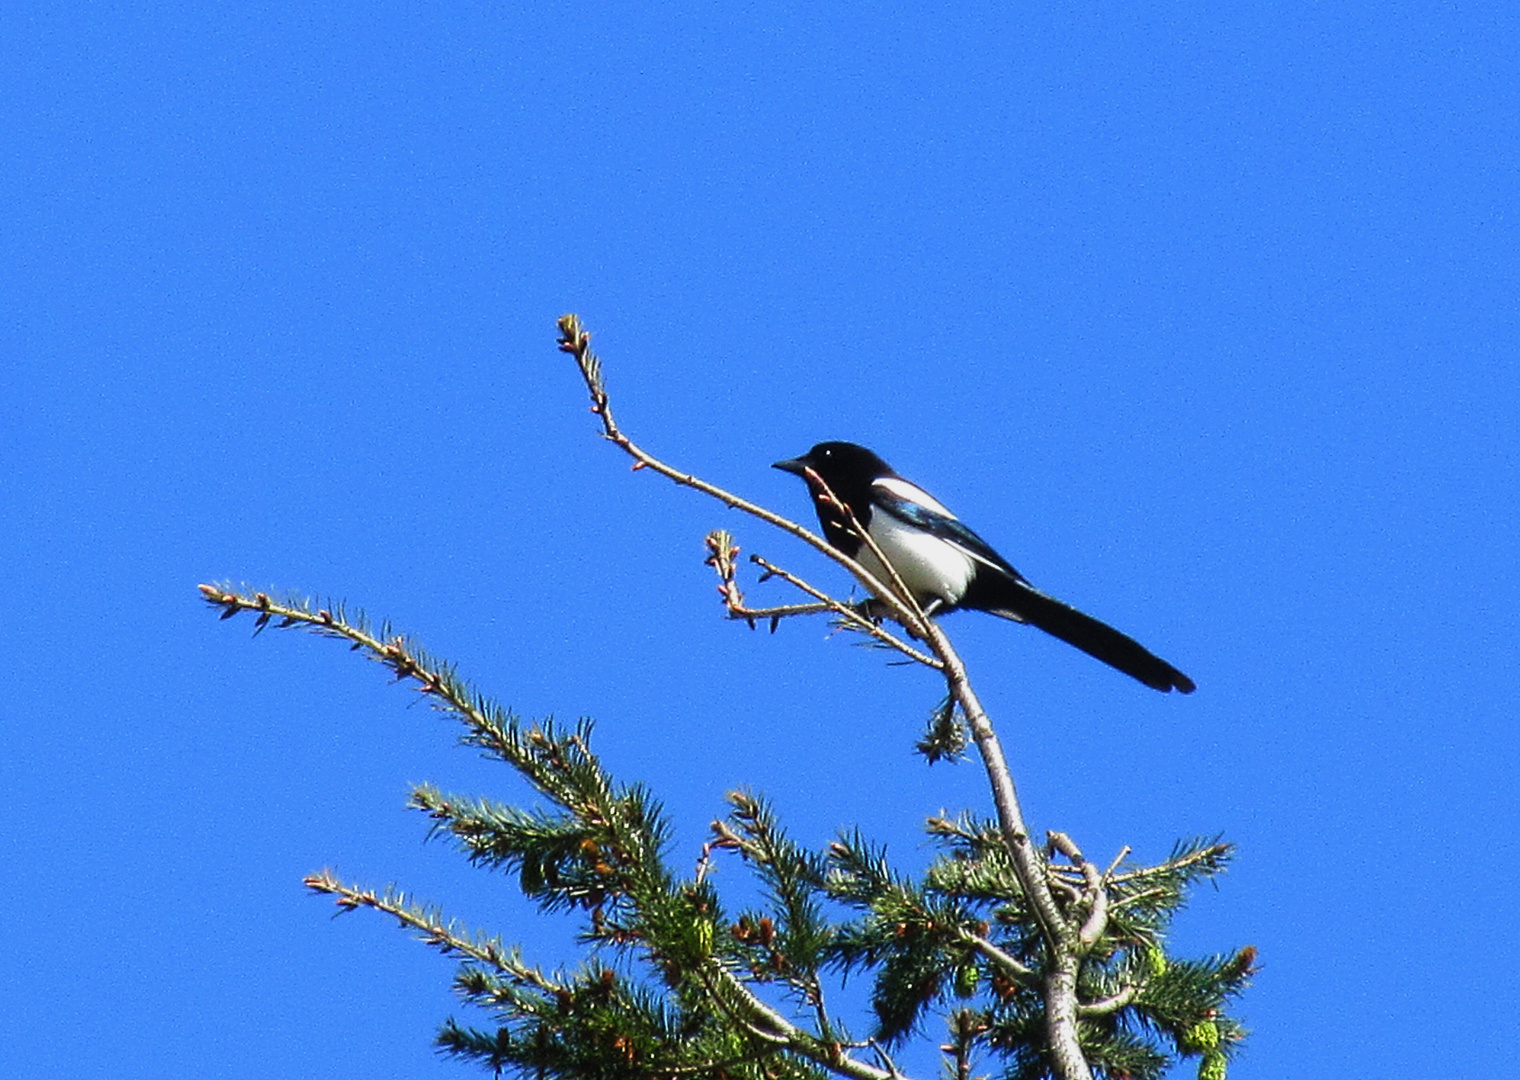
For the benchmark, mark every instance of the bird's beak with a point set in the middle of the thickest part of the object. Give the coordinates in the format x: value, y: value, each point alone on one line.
x: 796, y: 466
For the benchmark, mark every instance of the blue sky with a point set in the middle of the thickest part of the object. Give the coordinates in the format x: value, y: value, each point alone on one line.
x: 1204, y: 315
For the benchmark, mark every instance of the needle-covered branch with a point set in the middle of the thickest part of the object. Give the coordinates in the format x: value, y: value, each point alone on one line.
x: 1072, y: 911
x: 898, y: 600
x: 1030, y: 955
x: 964, y: 939
x: 597, y: 849
x: 431, y: 927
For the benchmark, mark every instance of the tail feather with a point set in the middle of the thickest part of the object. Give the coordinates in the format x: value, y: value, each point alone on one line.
x: 1024, y: 603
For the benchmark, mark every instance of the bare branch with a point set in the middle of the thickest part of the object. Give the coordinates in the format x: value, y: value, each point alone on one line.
x: 1108, y: 875
x: 576, y: 341
x: 722, y: 559
x: 886, y: 1060
x: 999, y: 958
x: 849, y: 614
x: 1031, y: 869
x: 1192, y: 858
x: 1111, y: 1004
x: 1094, y: 894
x: 900, y: 589
x: 766, y: 1023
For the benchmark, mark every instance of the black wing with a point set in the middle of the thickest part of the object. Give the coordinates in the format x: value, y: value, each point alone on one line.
x: 1009, y: 594
x: 949, y: 529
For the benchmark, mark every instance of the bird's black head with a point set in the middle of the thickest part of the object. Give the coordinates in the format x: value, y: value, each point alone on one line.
x: 839, y: 463
x: 848, y: 470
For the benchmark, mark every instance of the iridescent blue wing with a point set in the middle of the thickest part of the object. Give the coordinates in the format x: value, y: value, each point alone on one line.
x: 913, y: 506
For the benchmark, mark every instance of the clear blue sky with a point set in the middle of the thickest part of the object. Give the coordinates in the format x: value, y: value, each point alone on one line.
x: 1204, y: 315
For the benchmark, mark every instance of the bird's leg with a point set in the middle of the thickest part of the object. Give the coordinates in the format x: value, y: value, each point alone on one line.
x: 928, y: 609
x: 873, y: 608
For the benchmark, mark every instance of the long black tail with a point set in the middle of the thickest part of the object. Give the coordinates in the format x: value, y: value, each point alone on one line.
x: 1019, y: 600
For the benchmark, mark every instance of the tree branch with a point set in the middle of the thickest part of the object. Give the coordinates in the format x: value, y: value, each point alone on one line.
x: 1062, y: 936
x: 1111, y: 1004
x: 999, y: 958
x: 1094, y: 896
x: 433, y: 929
x: 576, y: 341
x: 721, y: 543
x: 766, y: 1023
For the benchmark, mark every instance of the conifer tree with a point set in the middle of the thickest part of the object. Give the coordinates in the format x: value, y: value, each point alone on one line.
x: 1022, y: 960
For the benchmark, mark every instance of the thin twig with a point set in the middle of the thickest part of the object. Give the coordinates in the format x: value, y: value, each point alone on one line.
x: 722, y: 559
x: 1094, y: 894
x: 886, y: 1059
x: 768, y: 1024
x: 1108, y: 875
x: 1111, y: 1004
x: 848, y: 613
x: 1135, y: 898
x: 1213, y: 851
x: 576, y: 341
x: 1061, y: 935
x: 900, y: 589
x: 999, y: 958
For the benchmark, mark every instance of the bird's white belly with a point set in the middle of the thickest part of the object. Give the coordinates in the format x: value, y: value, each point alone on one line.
x: 932, y: 568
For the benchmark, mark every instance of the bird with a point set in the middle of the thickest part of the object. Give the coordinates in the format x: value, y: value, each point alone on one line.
x: 947, y: 566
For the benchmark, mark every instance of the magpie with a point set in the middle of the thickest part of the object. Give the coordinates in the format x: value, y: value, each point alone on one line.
x: 947, y: 566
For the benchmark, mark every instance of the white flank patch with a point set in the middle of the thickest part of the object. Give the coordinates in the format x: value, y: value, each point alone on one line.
x: 932, y: 568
